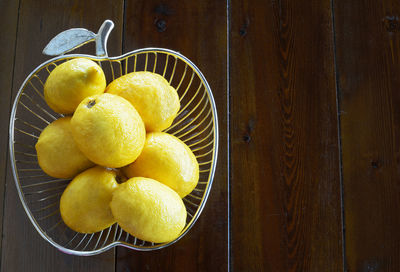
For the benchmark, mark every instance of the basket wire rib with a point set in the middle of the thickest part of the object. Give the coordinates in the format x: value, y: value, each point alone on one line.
x: 196, y: 125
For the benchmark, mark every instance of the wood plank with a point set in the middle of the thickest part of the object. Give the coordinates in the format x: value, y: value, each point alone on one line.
x: 197, y: 29
x: 39, y: 21
x: 368, y: 63
x: 8, y: 17
x: 286, y: 202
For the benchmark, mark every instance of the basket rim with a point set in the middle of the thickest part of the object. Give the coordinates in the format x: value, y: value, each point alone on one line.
x: 28, y: 212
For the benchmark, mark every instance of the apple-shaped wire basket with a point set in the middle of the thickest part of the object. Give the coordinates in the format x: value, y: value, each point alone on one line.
x: 196, y: 124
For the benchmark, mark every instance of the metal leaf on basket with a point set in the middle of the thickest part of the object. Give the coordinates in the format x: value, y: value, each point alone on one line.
x: 196, y: 124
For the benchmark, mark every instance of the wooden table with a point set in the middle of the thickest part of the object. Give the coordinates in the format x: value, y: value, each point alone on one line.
x: 308, y: 96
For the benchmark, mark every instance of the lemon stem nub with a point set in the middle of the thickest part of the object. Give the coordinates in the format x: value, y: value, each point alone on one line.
x: 91, y: 103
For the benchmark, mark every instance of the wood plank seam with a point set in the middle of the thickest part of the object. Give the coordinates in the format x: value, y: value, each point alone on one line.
x: 123, y: 26
x: 228, y: 116
x: 338, y: 107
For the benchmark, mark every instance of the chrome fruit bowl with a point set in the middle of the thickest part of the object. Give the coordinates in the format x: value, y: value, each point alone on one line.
x: 196, y: 125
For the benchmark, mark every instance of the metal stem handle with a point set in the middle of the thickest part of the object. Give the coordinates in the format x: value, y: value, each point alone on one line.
x: 74, y: 38
x: 102, y: 37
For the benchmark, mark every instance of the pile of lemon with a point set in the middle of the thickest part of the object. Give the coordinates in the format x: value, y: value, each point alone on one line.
x: 123, y: 168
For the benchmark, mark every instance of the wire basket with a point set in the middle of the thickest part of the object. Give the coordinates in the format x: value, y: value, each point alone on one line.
x: 196, y: 125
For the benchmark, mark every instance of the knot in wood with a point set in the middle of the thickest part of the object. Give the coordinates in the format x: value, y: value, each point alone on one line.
x: 391, y: 23
x: 161, y: 25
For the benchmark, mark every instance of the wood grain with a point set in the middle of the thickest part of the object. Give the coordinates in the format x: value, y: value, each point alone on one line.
x: 197, y: 29
x: 286, y: 205
x: 8, y: 17
x: 39, y: 21
x: 368, y: 64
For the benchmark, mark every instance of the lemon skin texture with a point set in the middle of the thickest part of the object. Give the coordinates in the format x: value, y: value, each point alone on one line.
x: 168, y: 160
x: 57, y: 153
x: 70, y: 82
x: 108, y: 130
x: 84, y: 205
x: 156, y: 101
x: 148, y: 210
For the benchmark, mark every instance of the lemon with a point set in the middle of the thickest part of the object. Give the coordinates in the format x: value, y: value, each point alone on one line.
x: 156, y: 101
x: 70, y: 82
x: 108, y: 130
x: 167, y: 159
x: 84, y: 204
x: 148, y: 210
x: 57, y: 153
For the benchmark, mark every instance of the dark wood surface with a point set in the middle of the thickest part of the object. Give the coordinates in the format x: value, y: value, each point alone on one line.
x: 9, y: 17
x: 285, y: 179
x: 368, y: 64
x: 307, y: 95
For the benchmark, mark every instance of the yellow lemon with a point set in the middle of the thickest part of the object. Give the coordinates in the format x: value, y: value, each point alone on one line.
x: 108, y: 130
x: 57, y: 153
x: 148, y: 210
x: 70, y: 82
x: 156, y: 101
x: 167, y: 159
x: 84, y: 204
